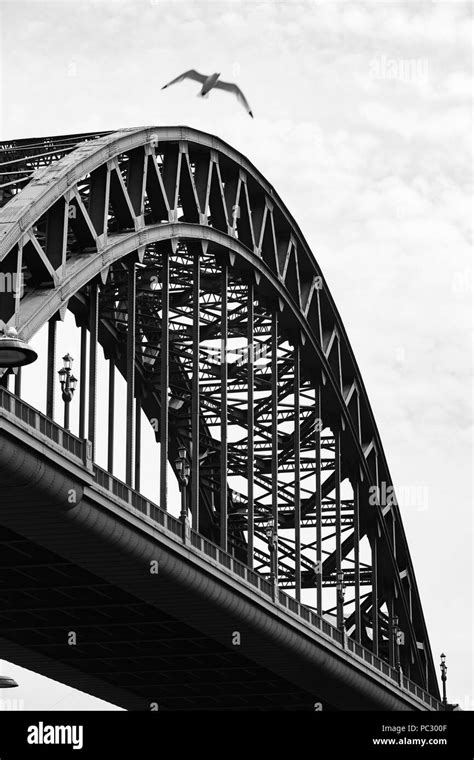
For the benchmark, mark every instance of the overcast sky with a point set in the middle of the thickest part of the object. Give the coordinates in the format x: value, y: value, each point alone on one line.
x: 363, y: 125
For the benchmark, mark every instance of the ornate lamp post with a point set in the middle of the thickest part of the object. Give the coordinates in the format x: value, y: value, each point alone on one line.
x: 68, y: 386
x: 397, y: 640
x: 272, y: 540
x: 341, y: 591
x: 444, y: 669
x: 183, y: 468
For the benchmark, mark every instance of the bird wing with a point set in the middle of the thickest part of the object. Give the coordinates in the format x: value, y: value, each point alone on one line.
x: 230, y: 87
x: 191, y: 74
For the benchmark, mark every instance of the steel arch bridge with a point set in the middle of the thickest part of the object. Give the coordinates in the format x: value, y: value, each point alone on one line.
x: 179, y: 259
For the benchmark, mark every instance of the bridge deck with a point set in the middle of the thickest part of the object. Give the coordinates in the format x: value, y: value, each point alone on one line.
x: 139, y: 645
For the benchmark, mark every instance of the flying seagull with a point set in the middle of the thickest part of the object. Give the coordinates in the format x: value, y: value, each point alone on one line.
x: 210, y: 82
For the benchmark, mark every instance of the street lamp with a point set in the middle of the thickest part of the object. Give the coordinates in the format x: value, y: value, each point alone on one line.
x: 272, y: 541
x: 444, y: 669
x: 68, y: 385
x: 397, y: 640
x: 341, y: 591
x: 183, y: 469
x: 14, y: 352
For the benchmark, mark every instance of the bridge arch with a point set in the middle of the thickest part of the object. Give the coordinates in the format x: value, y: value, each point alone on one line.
x: 166, y: 243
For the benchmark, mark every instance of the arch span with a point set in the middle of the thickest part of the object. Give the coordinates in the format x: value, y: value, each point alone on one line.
x: 181, y: 260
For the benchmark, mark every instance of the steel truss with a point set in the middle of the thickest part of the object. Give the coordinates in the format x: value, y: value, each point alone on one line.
x: 180, y: 260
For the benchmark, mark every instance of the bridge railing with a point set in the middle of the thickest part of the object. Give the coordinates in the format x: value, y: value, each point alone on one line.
x: 79, y: 448
x: 42, y: 424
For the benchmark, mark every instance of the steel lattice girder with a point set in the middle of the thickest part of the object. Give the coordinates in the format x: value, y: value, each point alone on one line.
x: 172, y: 231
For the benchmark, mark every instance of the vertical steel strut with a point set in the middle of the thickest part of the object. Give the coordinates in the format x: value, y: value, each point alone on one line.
x: 111, y: 418
x: 82, y: 383
x: 93, y: 329
x: 274, y: 436
x: 164, y: 376
x: 138, y: 438
x: 297, y: 488
x: 224, y: 401
x: 337, y: 494
x: 18, y: 382
x: 250, y: 423
x: 50, y: 370
x: 318, y: 497
x: 195, y: 394
x: 375, y: 594
x: 131, y: 345
x: 357, y: 632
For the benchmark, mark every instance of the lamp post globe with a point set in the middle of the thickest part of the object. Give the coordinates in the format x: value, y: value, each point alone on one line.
x: 14, y: 352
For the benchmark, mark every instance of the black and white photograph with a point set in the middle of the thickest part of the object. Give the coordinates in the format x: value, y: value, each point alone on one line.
x: 236, y: 377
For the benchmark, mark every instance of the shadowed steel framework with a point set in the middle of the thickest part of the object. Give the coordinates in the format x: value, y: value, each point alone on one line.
x: 180, y: 260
